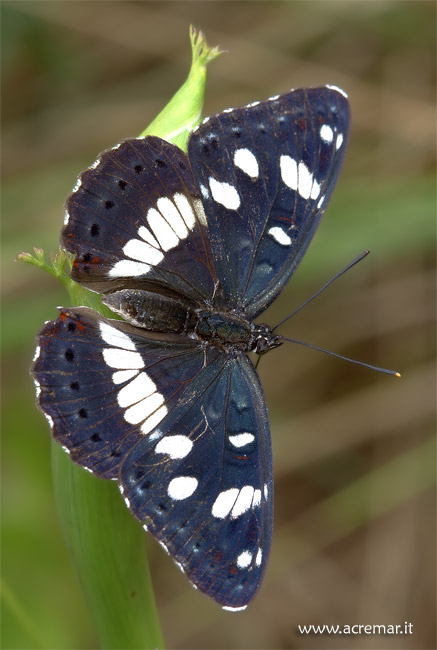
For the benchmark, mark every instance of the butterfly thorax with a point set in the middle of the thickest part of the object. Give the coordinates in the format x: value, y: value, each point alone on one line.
x: 223, y: 328
x: 227, y: 329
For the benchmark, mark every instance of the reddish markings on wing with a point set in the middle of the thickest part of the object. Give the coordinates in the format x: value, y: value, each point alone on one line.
x: 287, y: 219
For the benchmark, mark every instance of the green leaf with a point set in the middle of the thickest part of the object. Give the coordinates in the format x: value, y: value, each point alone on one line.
x: 108, y: 549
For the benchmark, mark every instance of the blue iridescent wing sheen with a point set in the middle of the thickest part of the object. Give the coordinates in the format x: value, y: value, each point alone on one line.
x: 266, y: 172
x: 185, y: 431
x: 135, y: 219
x: 202, y: 482
x: 103, y: 384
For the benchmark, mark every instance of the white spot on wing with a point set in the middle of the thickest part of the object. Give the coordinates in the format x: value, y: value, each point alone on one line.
x: 204, y: 191
x: 244, y: 559
x: 266, y: 491
x: 225, y: 194
x: 246, y: 161
x: 154, y: 419
x: 185, y: 210
x: 298, y: 177
x: 182, y: 487
x: 339, y: 141
x: 199, y: 210
x: 243, y: 502
x: 235, y: 609
x: 172, y: 215
x: 339, y: 90
x: 175, y: 446
x: 121, y: 376
x: 321, y: 201
x: 113, y: 336
x: 241, y: 439
x: 127, y: 269
x: 315, y: 190
x: 180, y: 567
x: 142, y: 410
x: 163, y: 546
x: 37, y: 353
x: 259, y: 557
x: 289, y: 171
x: 145, y: 234
x: 49, y: 420
x: 66, y: 218
x: 136, y: 390
x: 165, y: 235
x: 305, y: 181
x: 256, y: 498
x: 122, y: 359
x: 326, y: 133
x: 37, y: 387
x: 280, y: 236
x: 143, y: 252
x: 224, y: 503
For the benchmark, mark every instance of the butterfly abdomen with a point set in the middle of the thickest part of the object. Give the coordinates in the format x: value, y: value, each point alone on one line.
x: 152, y: 311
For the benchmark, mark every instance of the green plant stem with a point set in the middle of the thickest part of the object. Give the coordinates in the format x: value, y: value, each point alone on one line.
x: 183, y: 112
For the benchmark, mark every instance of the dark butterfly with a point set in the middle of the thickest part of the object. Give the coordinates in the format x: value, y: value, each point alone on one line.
x: 189, y: 250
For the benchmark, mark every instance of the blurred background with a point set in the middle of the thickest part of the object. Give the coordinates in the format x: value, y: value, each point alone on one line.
x: 354, y: 538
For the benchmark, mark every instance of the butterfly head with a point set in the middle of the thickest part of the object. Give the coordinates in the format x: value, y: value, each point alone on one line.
x: 265, y: 340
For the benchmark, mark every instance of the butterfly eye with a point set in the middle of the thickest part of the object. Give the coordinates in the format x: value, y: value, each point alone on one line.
x: 262, y: 346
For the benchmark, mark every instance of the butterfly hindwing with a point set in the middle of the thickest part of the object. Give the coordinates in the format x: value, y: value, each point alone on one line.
x: 185, y: 431
x: 103, y: 385
x: 135, y: 219
x: 202, y: 482
x: 265, y: 172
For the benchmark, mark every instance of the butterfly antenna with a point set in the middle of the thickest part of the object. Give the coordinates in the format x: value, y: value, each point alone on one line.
x: 340, y: 356
x: 325, y: 286
x: 314, y: 347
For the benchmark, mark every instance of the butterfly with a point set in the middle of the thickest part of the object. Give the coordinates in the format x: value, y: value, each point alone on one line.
x: 189, y: 250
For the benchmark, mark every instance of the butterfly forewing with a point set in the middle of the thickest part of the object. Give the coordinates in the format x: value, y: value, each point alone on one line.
x: 136, y: 219
x: 266, y: 172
